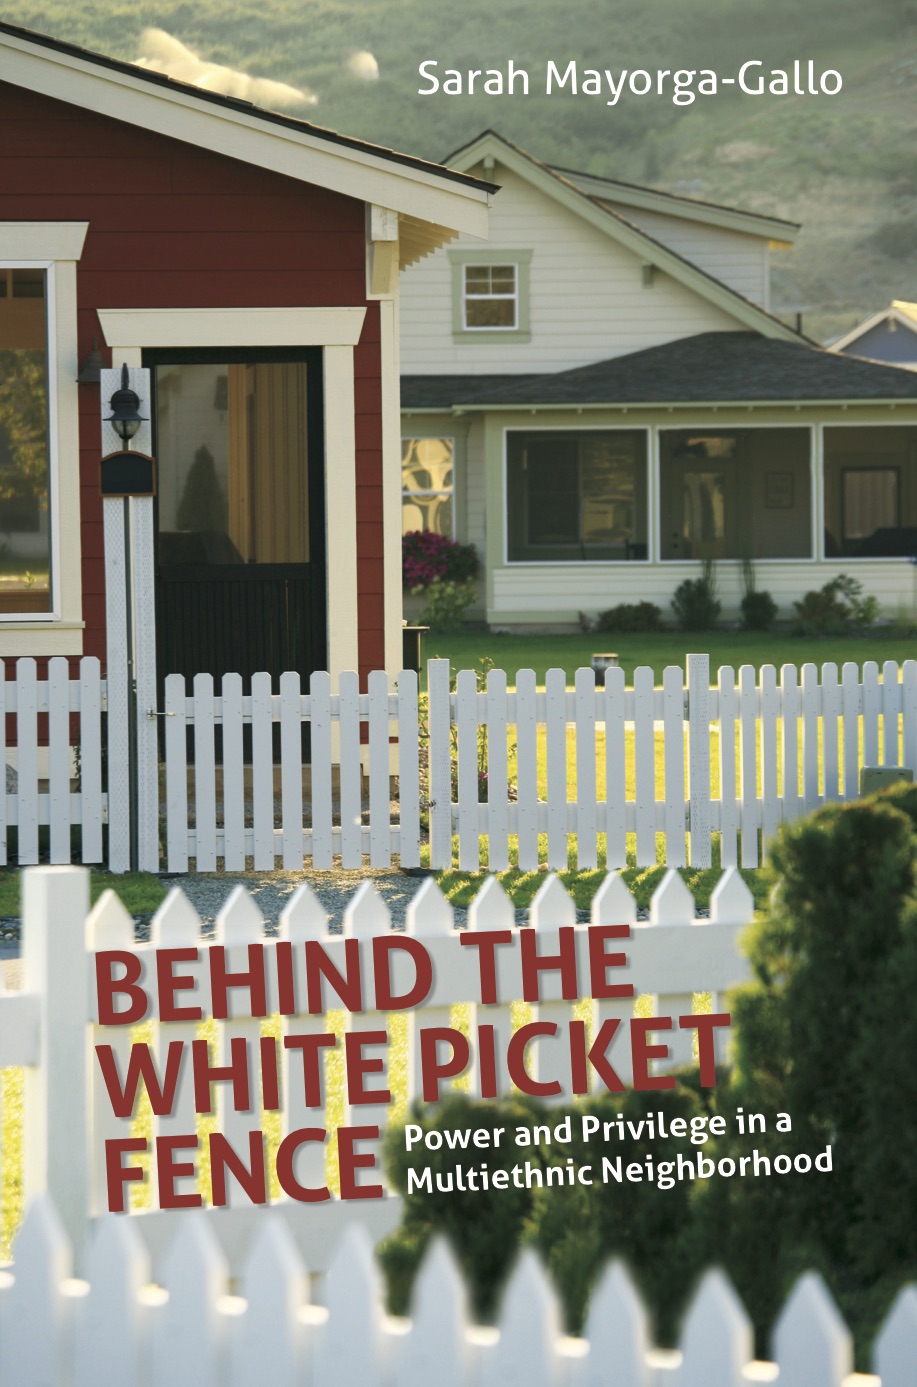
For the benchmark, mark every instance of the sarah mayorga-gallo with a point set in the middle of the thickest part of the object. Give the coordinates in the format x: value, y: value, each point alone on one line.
x: 680, y: 85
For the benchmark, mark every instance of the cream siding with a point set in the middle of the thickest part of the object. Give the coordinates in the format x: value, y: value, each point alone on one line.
x: 738, y: 259
x: 587, y: 298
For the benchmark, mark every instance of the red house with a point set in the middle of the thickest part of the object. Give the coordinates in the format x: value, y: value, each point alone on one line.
x: 250, y: 261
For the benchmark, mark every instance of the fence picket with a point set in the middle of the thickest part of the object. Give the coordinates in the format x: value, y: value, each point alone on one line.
x: 466, y: 726
x: 233, y: 774
x: 527, y: 769
x: 380, y: 834
x: 291, y: 771
x: 176, y: 775
x: 645, y: 767
x: 262, y: 773
x: 615, y: 770
x: 729, y: 807
x: 909, y: 715
x: 59, y: 759
x: 205, y: 803
x: 556, y: 765
x: 440, y: 764
x: 891, y: 707
x: 789, y: 733
x: 871, y: 707
x: 408, y: 770
x: 586, y: 822
x: 810, y: 710
x: 497, y: 772
x: 830, y: 718
x: 770, y: 790
x: 698, y: 682
x: 321, y: 797
x: 4, y: 796
x: 27, y: 760
x: 748, y: 737
x: 673, y: 704
x: 92, y: 813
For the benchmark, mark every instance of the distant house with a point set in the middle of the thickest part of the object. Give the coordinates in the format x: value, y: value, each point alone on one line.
x: 250, y: 261
x: 889, y: 335
x: 600, y: 397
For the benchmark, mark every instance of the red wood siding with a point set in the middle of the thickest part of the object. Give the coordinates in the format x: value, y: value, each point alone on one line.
x: 172, y: 226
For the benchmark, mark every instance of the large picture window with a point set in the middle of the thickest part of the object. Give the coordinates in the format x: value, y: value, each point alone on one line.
x: 25, y: 461
x: 427, y: 485
x: 577, y: 495
x: 735, y: 493
x: 870, y: 492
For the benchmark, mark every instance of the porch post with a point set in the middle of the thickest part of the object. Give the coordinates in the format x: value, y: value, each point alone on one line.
x: 133, y: 769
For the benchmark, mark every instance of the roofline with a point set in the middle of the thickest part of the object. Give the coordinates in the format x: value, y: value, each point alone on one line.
x: 625, y: 406
x: 690, y: 209
x: 633, y: 237
x: 151, y: 100
x: 882, y: 316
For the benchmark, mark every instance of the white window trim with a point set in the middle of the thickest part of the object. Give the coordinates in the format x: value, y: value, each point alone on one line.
x: 493, y: 297
x: 54, y: 247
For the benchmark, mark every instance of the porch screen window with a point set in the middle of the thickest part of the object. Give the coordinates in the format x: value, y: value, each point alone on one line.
x: 491, y: 297
x: 427, y: 485
x: 576, y: 495
x: 232, y: 456
x: 25, y: 538
x: 734, y: 494
x: 870, y: 492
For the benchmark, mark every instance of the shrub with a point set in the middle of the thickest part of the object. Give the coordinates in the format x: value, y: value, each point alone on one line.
x: 837, y: 609
x: 446, y: 603
x: 630, y: 616
x: 695, y: 602
x: 428, y: 558
x: 759, y: 611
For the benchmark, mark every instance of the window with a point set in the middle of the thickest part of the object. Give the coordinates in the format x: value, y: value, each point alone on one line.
x: 736, y: 493
x: 490, y: 295
x: 25, y: 453
x: 491, y: 298
x: 870, y: 492
x: 578, y: 495
x: 427, y: 485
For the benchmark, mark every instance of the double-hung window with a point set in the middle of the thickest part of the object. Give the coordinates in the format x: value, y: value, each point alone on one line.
x: 490, y: 295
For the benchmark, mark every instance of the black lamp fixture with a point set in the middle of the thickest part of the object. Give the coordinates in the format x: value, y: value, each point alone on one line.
x: 125, y: 417
x: 91, y: 369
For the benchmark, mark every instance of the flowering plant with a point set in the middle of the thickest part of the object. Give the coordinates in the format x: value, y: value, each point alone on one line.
x: 427, y: 558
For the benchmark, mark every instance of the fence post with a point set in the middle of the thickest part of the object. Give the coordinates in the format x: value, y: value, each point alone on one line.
x: 698, y: 669
x: 55, y: 903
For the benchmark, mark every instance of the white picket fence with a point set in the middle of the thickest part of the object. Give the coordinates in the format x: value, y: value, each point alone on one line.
x: 50, y: 717
x: 51, y: 1026
x: 115, y: 1329
x: 813, y: 735
x: 776, y: 748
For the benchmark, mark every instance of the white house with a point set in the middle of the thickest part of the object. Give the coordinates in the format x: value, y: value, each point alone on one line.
x: 600, y: 397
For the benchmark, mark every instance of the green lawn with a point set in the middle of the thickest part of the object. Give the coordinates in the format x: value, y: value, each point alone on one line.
x: 543, y: 652
x: 140, y: 892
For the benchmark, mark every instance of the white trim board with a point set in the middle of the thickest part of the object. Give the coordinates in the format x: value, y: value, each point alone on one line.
x: 231, y: 327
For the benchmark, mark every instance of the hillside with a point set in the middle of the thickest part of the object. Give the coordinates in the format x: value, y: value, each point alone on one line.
x: 845, y: 166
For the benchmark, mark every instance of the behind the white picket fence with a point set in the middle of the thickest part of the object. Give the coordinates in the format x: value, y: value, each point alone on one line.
x: 51, y: 1026
x: 631, y: 775
x: 114, y: 1329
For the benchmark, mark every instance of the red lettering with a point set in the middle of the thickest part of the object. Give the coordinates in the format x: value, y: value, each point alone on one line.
x: 117, y: 1175
x: 349, y: 1162
x: 357, y: 1065
x: 108, y: 988
x: 383, y: 947
x: 486, y: 941
x: 169, y: 983
x: 140, y: 1065
x: 311, y: 1047
x: 251, y: 1178
x: 600, y: 962
x: 286, y: 1155
x: 533, y: 963
x: 221, y: 981
x: 168, y: 1170
x: 515, y: 1059
x: 705, y: 1024
x: 640, y: 1028
x: 431, y: 1070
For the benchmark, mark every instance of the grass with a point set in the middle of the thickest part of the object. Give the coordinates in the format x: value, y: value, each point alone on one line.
x: 543, y: 652
x: 140, y: 892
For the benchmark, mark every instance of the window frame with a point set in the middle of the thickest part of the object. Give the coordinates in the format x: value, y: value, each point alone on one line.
x: 494, y: 257
x: 54, y: 247
x: 838, y: 425
x: 629, y: 564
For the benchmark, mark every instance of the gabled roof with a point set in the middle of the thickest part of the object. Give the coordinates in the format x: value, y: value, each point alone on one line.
x: 600, y: 214
x: 776, y: 230
x: 434, y: 203
x: 712, y: 368
x: 900, y: 312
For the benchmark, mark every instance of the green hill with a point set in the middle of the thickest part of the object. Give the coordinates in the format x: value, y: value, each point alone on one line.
x: 845, y: 165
